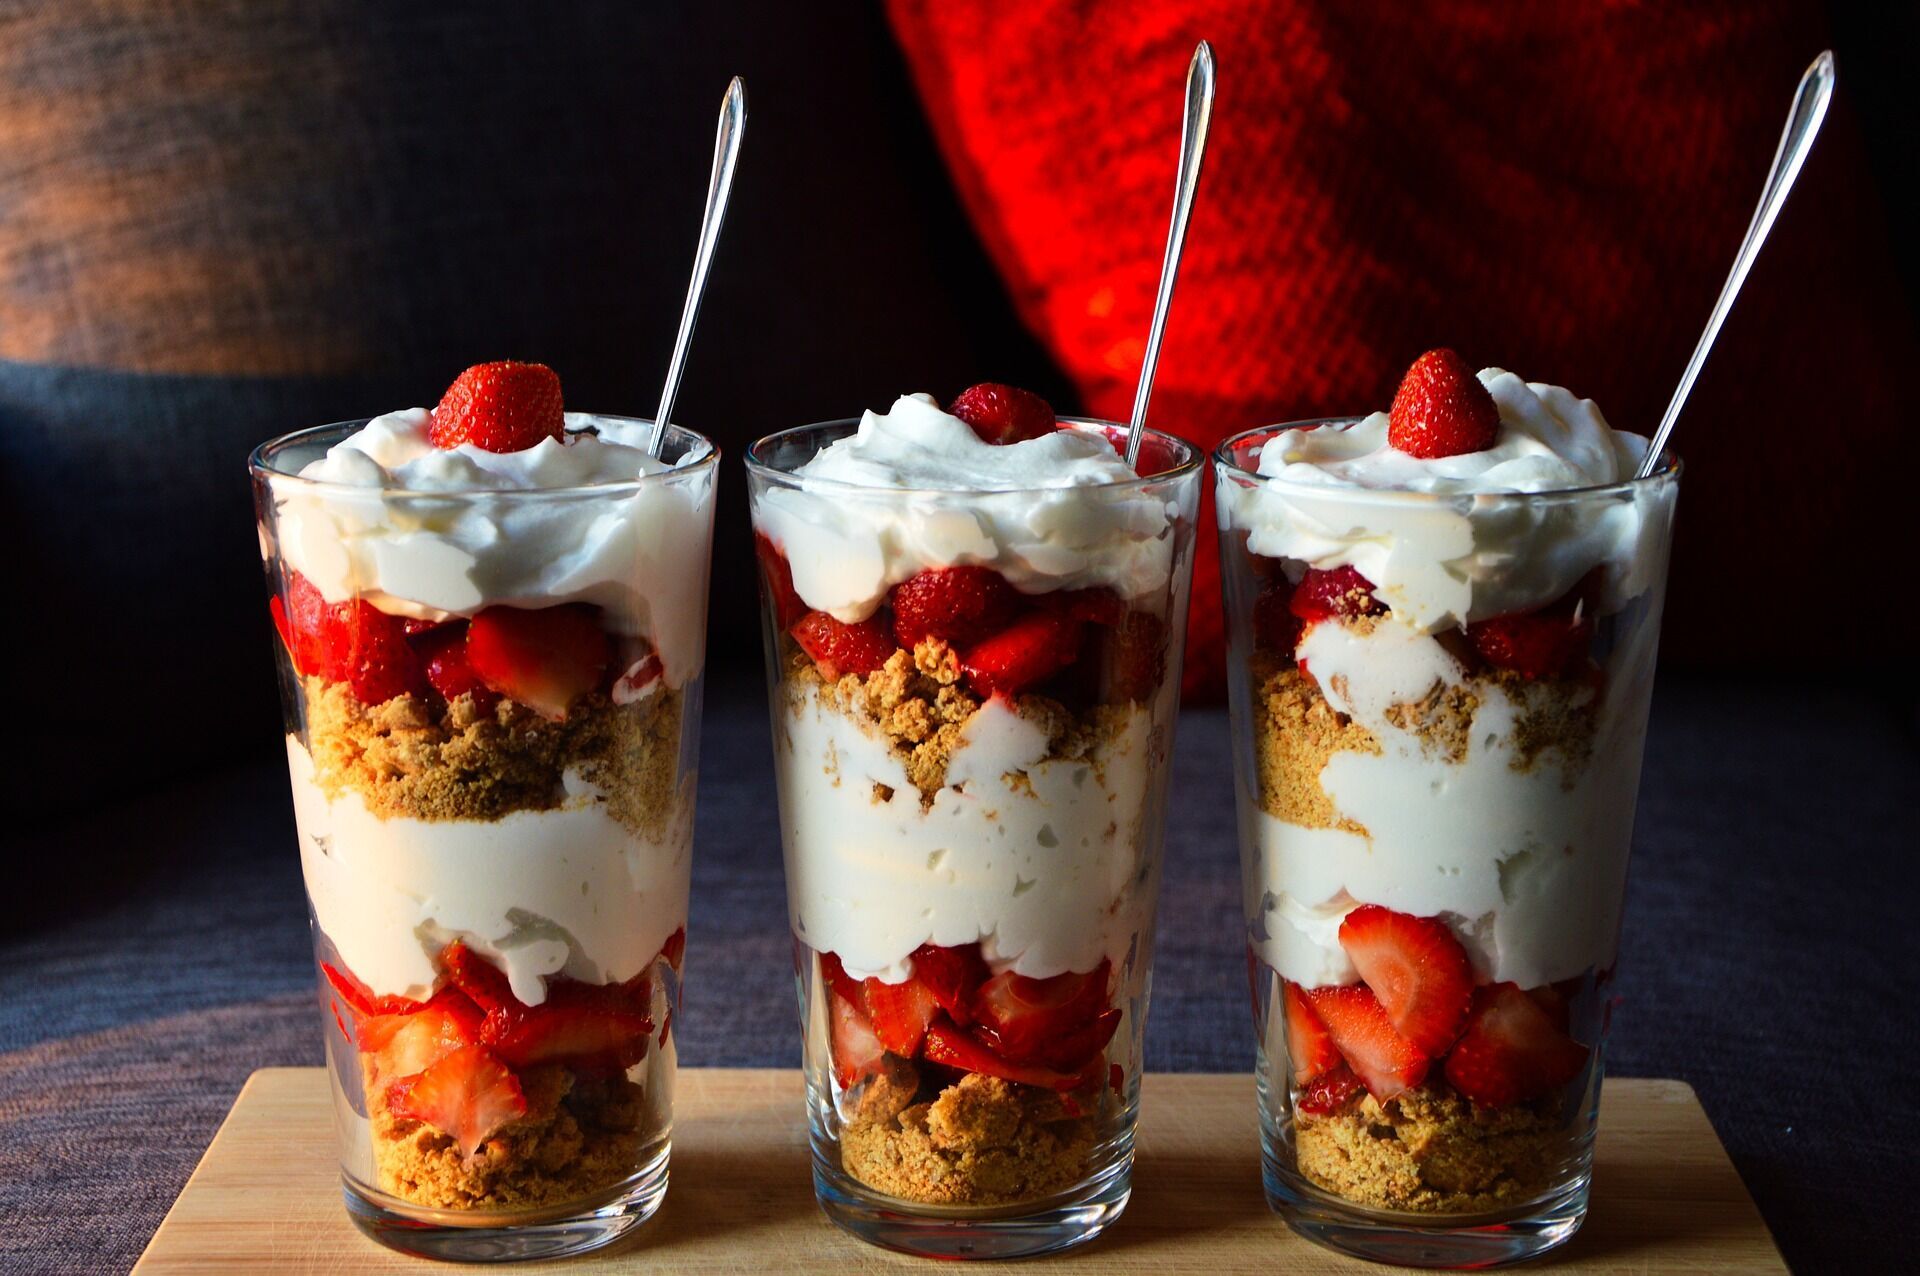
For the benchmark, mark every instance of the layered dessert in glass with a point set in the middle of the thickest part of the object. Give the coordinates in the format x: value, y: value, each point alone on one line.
x: 1442, y: 625
x: 491, y: 622
x: 974, y: 621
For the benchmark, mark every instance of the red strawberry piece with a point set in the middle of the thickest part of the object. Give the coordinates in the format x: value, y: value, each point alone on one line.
x: 777, y: 573
x: 499, y: 407
x: 1310, y: 1048
x: 305, y: 623
x: 543, y: 659
x: 1079, y: 1050
x: 674, y: 951
x: 1511, y: 1051
x: 900, y: 1013
x: 1331, y: 1091
x: 1030, y: 650
x: 1556, y: 1001
x: 361, y: 1000
x: 484, y: 983
x: 1002, y: 414
x: 1335, y: 591
x: 415, y: 1041
x: 576, y: 1021
x: 952, y: 975
x: 1417, y: 970
x: 1387, y: 1062
x: 1136, y: 657
x: 839, y: 649
x: 857, y: 1051
x: 352, y: 642
x: 1096, y: 604
x: 839, y: 981
x: 1116, y: 1077
x: 444, y: 649
x: 640, y: 675
x: 1549, y: 643
x: 954, y: 1048
x: 1441, y: 409
x: 959, y: 604
x: 1024, y: 1019
x: 469, y: 1095
x: 1275, y: 627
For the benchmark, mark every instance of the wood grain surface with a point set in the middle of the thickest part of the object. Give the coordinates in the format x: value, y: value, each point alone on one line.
x: 266, y: 1197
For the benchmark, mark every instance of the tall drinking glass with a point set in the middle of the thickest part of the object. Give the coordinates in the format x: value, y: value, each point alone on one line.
x: 1439, y: 807
x: 492, y: 702
x: 972, y: 825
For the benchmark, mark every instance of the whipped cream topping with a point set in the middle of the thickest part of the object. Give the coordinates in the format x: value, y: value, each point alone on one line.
x: 1442, y: 539
x: 915, y: 488
x: 435, y: 533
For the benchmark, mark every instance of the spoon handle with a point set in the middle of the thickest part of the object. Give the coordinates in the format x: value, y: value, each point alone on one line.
x: 726, y: 152
x: 1810, y: 102
x: 1193, y: 148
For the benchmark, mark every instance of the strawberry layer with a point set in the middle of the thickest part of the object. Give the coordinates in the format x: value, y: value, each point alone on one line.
x: 1050, y: 865
x: 569, y: 891
x: 916, y: 488
x: 380, y: 525
x: 1528, y: 866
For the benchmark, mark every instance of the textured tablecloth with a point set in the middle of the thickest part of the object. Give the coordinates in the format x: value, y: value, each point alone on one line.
x: 1767, y: 960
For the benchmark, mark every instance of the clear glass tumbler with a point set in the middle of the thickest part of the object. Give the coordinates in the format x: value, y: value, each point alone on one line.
x: 492, y: 705
x: 1435, y: 819
x: 972, y: 825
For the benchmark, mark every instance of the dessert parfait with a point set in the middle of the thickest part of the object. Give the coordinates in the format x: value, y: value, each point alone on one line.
x: 1443, y: 622
x: 491, y: 618
x: 975, y: 619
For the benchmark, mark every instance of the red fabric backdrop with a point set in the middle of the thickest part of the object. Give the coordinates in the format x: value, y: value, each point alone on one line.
x: 1556, y: 189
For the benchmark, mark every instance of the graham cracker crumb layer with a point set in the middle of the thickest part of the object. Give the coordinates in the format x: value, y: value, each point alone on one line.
x: 432, y: 760
x: 579, y: 1137
x: 1295, y: 732
x: 1431, y: 1151
x: 981, y: 1141
x: 917, y: 705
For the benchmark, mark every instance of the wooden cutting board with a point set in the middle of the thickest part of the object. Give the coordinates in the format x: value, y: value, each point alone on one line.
x: 266, y: 1196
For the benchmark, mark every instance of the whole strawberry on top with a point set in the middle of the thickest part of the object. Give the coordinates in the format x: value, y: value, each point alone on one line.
x: 505, y: 406
x: 1441, y: 409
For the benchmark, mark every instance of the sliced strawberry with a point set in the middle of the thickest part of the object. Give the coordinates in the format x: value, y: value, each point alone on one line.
x: 1417, y: 970
x: 1549, y: 643
x: 640, y: 675
x: 839, y: 981
x: 1097, y: 605
x: 1275, y: 627
x: 674, y: 951
x: 468, y: 1094
x: 544, y: 659
x: 900, y: 1013
x: 1001, y: 414
x: 1557, y: 1001
x: 1030, y: 650
x: 1079, y: 1050
x: 410, y: 1043
x: 1331, y: 1091
x: 857, y: 1051
x: 777, y: 573
x: 839, y: 649
x: 305, y: 623
x: 1388, y: 1063
x: 952, y: 975
x: 1310, y: 1048
x: 444, y: 649
x: 499, y: 407
x: 1136, y: 657
x: 483, y: 982
x: 954, y: 1048
x: 1021, y: 1017
x: 352, y: 642
x: 361, y: 1000
x: 1441, y: 409
x: 1335, y: 591
x: 1511, y: 1051
x: 589, y: 1021
x: 959, y: 604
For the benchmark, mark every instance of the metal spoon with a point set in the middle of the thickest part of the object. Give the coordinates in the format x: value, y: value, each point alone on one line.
x: 1796, y: 141
x: 726, y: 151
x: 1193, y: 148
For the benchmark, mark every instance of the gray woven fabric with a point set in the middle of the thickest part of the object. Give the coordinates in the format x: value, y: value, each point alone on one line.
x: 1762, y: 963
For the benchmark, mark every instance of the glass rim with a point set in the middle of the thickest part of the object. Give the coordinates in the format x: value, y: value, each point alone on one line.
x: 1224, y: 461
x: 259, y: 465
x: 1195, y: 456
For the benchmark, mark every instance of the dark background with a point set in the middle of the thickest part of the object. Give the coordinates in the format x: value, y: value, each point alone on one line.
x: 223, y: 221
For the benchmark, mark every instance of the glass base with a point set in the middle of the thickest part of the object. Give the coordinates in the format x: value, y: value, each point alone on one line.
x: 1383, y: 1236
x: 456, y: 1236
x: 933, y: 1231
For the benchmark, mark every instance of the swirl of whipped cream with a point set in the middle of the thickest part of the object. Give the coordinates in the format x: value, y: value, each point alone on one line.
x: 915, y: 488
x: 434, y: 533
x: 1444, y: 540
